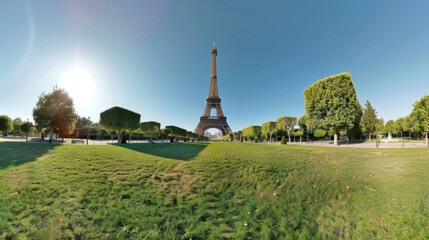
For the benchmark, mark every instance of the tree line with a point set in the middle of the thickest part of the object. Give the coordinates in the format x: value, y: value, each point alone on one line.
x: 54, y: 114
x: 333, y: 110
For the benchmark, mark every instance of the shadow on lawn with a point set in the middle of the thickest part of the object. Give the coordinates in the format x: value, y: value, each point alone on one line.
x: 178, y: 151
x: 15, y: 153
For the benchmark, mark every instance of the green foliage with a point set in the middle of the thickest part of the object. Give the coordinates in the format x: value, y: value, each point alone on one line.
x: 390, y: 127
x: 17, y: 122
x: 227, y: 137
x: 282, y: 122
x: 117, y: 118
x: 151, y: 128
x: 399, y: 125
x: 319, y: 133
x: 368, y: 121
x: 298, y: 133
x: 420, y: 114
x: 27, y: 128
x: 252, y: 131
x: 380, y: 127
x: 83, y: 122
x: 102, y: 132
x: 407, y: 124
x: 333, y: 102
x: 6, y: 124
x: 283, y: 141
x: 331, y: 132
x: 55, y: 111
x: 267, y: 128
x: 176, y: 131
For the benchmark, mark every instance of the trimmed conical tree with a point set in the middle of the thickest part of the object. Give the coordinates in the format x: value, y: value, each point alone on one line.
x: 283, y: 140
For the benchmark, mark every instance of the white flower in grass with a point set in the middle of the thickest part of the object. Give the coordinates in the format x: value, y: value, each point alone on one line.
x: 347, y: 187
x: 314, y: 186
x: 248, y: 212
x: 245, y: 224
x: 274, y: 194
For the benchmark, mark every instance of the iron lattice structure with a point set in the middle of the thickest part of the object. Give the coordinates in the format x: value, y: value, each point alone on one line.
x: 213, y: 102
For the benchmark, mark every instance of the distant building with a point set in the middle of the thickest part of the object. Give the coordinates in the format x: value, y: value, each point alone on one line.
x: 215, y: 136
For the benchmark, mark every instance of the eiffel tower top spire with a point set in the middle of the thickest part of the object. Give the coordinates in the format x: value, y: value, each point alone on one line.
x: 213, y: 92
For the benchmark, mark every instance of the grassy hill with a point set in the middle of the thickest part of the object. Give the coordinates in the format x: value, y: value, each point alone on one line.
x: 212, y: 191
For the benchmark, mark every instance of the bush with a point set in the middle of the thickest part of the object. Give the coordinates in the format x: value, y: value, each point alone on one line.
x: 283, y: 140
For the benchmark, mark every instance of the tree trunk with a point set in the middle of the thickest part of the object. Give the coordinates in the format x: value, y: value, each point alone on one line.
x: 335, y: 136
x: 119, y: 136
x: 369, y: 136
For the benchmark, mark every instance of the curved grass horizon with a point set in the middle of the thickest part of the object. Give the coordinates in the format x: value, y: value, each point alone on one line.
x: 221, y: 190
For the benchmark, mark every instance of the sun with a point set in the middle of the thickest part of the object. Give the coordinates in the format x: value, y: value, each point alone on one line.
x: 78, y: 82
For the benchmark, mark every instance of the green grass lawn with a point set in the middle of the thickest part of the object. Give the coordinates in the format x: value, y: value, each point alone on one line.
x: 212, y: 191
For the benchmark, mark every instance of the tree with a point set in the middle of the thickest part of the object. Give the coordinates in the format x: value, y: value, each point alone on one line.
x: 252, y: 132
x: 150, y: 128
x: 368, y: 121
x: 399, y: 125
x: 395, y: 128
x: 55, y: 111
x: 333, y: 102
x: 298, y: 133
x: 283, y: 141
x: 176, y: 131
x: 6, y: 124
x: 389, y: 127
x: 285, y: 124
x: 319, y: 133
x: 267, y: 129
x: 17, y: 122
x: 240, y: 135
x: 27, y: 128
x: 407, y: 125
x: 420, y: 116
x: 120, y: 119
x: 380, y: 127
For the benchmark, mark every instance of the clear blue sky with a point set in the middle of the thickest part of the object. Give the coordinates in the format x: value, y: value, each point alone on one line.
x: 153, y: 57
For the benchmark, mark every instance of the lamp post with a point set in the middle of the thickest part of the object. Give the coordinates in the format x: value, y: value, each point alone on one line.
x: 87, y: 133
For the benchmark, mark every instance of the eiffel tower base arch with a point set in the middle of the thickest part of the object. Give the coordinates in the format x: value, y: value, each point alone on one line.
x: 213, y: 122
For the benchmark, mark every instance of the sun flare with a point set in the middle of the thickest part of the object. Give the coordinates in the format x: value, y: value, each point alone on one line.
x: 78, y: 82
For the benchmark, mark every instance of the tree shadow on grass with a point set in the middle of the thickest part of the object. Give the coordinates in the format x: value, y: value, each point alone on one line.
x: 15, y: 153
x: 177, y: 151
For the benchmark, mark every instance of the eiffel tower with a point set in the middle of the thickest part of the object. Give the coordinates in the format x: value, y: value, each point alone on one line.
x: 213, y: 102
